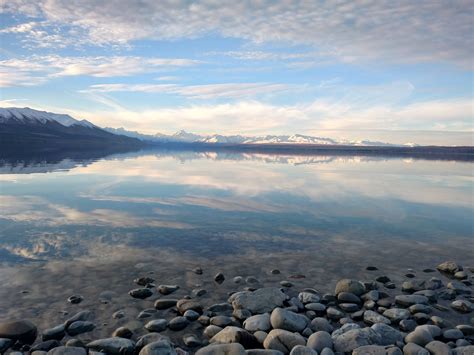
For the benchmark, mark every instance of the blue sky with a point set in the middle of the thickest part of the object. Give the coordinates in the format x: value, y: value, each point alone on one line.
x: 391, y: 71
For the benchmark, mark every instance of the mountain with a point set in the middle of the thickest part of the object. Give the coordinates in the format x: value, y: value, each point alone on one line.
x: 186, y: 137
x: 28, y: 129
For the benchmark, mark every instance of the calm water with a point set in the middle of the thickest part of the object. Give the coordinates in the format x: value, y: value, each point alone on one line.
x: 86, y: 227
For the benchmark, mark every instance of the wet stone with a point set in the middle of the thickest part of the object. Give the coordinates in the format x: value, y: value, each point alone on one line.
x: 75, y: 299
x: 165, y: 303
x: 140, y: 293
x: 178, y: 323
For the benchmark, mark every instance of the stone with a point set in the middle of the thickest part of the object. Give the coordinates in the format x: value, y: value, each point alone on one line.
x: 178, y: 323
x: 287, y: 320
x: 464, y: 350
x: 369, y: 350
x: 75, y: 343
x: 235, y: 335
x: 161, y: 347
x: 438, y: 348
x: 396, y: 314
x: 22, y: 330
x: 140, y: 293
x: 198, y: 270
x: 221, y: 321
x: 165, y: 303
x: 221, y: 308
x: 347, y: 297
x: 286, y: 283
x: 67, y: 350
x: 167, y: 289
x: 211, y: 330
x: 371, y: 317
x: 113, y: 346
x: 198, y: 292
x: 191, y: 341
x: 302, y: 350
x: 319, y: 308
x: 144, y: 281
x: 327, y: 351
x: 5, y: 344
x: 319, y: 323
x: 355, y: 338
x: 417, y: 308
x: 184, y: 305
x: 258, y: 322
x: 146, y: 313
x: 460, y: 275
x: 414, y: 349
x: 148, y: 339
x: 409, y: 300
x: 241, y: 314
x: 320, y: 340
x: 80, y: 327
x: 420, y: 336
x: 348, y: 285
x: 388, y: 335
x: 191, y: 315
x: 75, y: 299
x: 123, y: 332
x: 260, y: 301
x: 118, y: 315
x: 407, y: 325
x: 452, y: 334
x: 334, y: 313
x: 283, y: 340
x: 466, y: 329
x: 462, y: 306
x: 45, y: 345
x: 459, y: 288
x: 156, y: 325
x: 449, y: 267
x: 219, y: 278
x: 57, y: 333
x: 309, y: 297
x: 222, y: 349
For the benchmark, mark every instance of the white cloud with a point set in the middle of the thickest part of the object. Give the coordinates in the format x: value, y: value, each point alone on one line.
x: 36, y: 69
x: 210, y: 91
x: 396, y: 31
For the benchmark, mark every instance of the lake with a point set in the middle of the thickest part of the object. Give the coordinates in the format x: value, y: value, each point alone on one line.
x: 85, y: 226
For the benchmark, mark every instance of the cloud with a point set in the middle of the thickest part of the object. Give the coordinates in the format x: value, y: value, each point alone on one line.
x: 396, y: 31
x: 254, y: 117
x: 36, y: 69
x: 210, y: 91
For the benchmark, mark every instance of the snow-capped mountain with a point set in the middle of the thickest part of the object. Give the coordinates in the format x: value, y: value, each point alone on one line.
x: 25, y: 128
x: 186, y: 137
x: 27, y: 115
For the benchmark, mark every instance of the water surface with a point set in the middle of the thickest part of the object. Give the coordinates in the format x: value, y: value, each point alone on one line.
x: 86, y: 226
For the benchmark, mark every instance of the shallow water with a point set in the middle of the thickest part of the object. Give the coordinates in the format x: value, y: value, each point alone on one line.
x: 84, y: 227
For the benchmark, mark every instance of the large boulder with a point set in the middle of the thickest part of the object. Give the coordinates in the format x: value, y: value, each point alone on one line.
x: 260, y: 301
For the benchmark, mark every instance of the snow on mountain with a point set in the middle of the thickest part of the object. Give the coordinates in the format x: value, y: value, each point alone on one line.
x: 27, y: 115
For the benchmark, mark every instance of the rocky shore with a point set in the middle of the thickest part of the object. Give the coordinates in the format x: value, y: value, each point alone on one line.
x: 429, y: 313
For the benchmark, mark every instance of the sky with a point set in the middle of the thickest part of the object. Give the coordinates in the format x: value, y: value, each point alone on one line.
x: 392, y: 71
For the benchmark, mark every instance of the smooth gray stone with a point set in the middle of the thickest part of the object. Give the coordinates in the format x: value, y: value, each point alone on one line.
x: 184, y: 305
x: 371, y: 317
x: 45, y: 345
x: 161, y: 347
x: 148, y: 339
x: 320, y: 340
x: 355, y: 338
x: 80, y: 316
x: 449, y: 267
x: 287, y: 320
x: 369, y: 350
x: 464, y: 350
x: 221, y: 321
x: 222, y: 349
x: 113, y: 346
x: 389, y: 335
x: 178, y: 323
x: 283, y: 340
x: 258, y: 322
x: 351, y: 286
x: 414, y: 349
x: 438, y: 348
x: 409, y: 300
x: 321, y: 323
x: 56, y: 333
x: 67, y: 350
x: 396, y: 314
x: 156, y: 325
x: 5, y: 344
x: 21, y: 330
x: 260, y: 301
x: 212, y: 330
x: 191, y: 315
x: 462, y: 306
x: 235, y: 335
x: 165, y: 303
x: 167, y: 289
x: 191, y: 341
x: 80, y: 327
x: 453, y: 334
x: 302, y: 350
x: 308, y: 297
x: 263, y: 352
x: 140, y: 293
